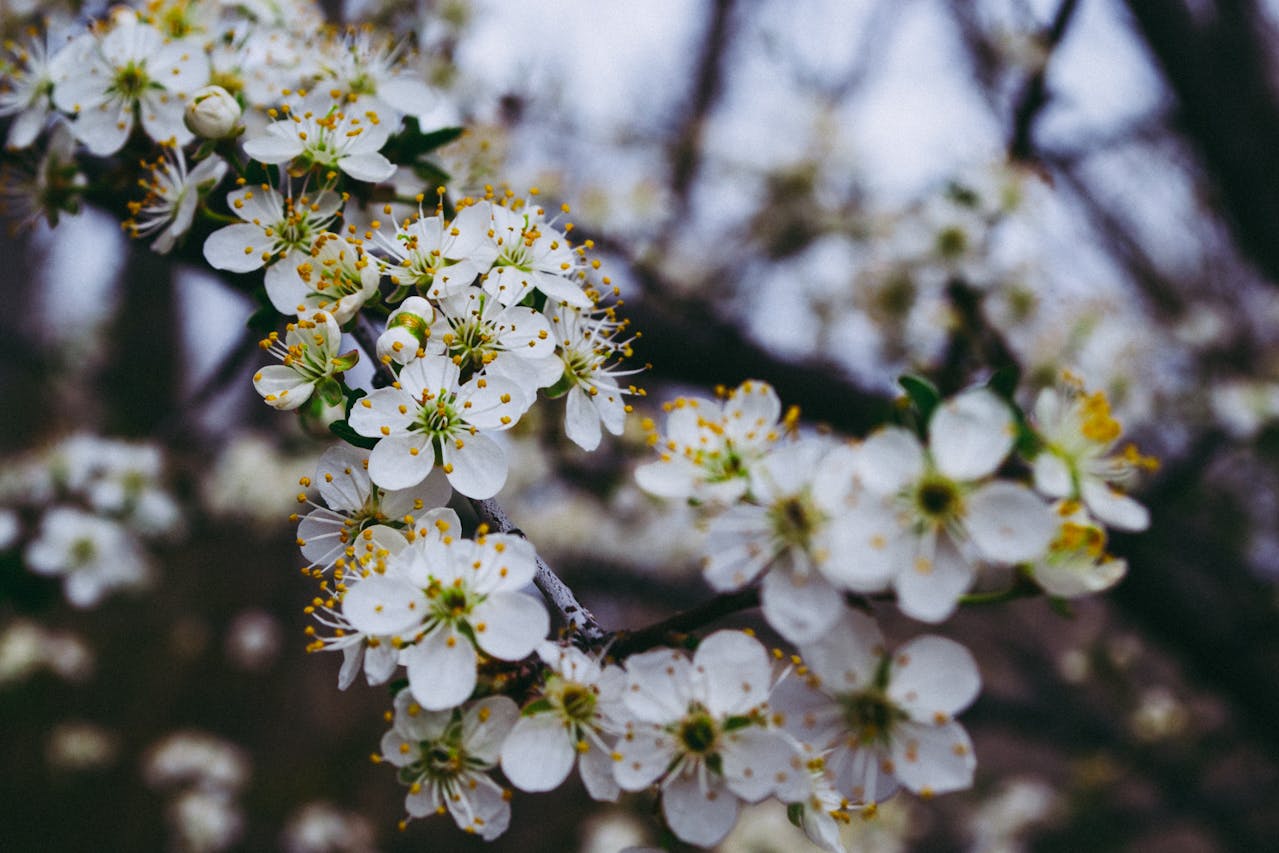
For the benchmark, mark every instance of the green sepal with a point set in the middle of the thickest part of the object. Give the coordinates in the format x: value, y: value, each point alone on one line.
x: 540, y: 706
x: 346, y: 361
x: 715, y: 763
x: 735, y: 723
x: 795, y: 814
x: 561, y: 387
x: 923, y: 395
x: 330, y: 391
x: 396, y: 685
x: 343, y: 430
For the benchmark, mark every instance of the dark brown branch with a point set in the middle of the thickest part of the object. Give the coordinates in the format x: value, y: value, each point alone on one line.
x: 670, y: 631
x: 1034, y: 96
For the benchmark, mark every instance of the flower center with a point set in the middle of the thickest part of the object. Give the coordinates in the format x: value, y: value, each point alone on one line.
x: 131, y: 81
x: 578, y: 702
x: 698, y: 733
x: 870, y: 716
x: 83, y: 551
x: 951, y: 242
x: 795, y: 519
x: 938, y: 499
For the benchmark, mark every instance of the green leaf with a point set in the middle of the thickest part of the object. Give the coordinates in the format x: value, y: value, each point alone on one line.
x: 795, y: 814
x: 1061, y: 607
x: 923, y: 394
x: 353, y: 394
x: 1004, y: 381
x: 264, y: 320
x: 343, y: 430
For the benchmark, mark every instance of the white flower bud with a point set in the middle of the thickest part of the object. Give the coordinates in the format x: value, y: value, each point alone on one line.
x: 212, y: 113
x: 406, y: 331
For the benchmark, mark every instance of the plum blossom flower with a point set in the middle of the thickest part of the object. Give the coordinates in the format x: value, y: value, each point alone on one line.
x: 710, y: 447
x: 1078, y: 460
x: 310, y: 361
x: 588, y: 373
x: 129, y: 72
x: 26, y: 90
x: 360, y: 64
x: 368, y: 556
x: 338, y: 278
x: 328, y: 135
x: 939, y: 511
x: 93, y: 555
x: 444, y: 598
x: 1076, y: 562
x: 353, y: 507
x: 799, y: 493
x: 877, y: 721
x: 444, y: 757
x: 437, y: 257
x: 531, y: 255
x: 432, y: 412
x: 697, y: 728
x: 576, y: 715
x: 276, y: 231
x: 173, y: 193
x: 478, y: 333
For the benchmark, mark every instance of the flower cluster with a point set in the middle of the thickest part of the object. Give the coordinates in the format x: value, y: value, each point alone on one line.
x: 296, y: 158
x: 84, y: 511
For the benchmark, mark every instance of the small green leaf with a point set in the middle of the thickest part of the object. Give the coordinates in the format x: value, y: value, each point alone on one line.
x: 795, y: 814
x: 343, y: 430
x: 922, y: 393
x: 264, y: 320
x: 1061, y: 607
x: 1004, y: 381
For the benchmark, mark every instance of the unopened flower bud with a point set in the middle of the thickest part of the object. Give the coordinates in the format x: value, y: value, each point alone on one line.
x: 212, y: 113
x: 406, y: 330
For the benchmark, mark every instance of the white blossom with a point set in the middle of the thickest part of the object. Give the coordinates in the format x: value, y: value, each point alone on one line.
x: 444, y: 757
x: 432, y: 412
x: 310, y: 360
x: 697, y: 728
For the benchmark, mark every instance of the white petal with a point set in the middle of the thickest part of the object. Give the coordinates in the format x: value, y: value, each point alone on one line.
x: 1008, y: 522
x: 539, y: 753
x: 735, y: 672
x: 382, y: 408
x: 933, y: 678
x: 441, y: 669
x: 969, y: 435
x: 581, y: 420
x: 276, y: 145
x: 890, y: 459
x: 479, y: 466
x: 644, y: 753
x: 760, y: 762
x: 596, y: 769
x: 225, y: 249
x: 847, y: 656
x: 929, y: 589
x: 1052, y: 475
x: 801, y: 608
x: 1114, y: 508
x: 282, y: 387
x: 696, y: 816
x: 513, y: 624
x: 384, y: 605
x: 482, y: 807
x: 486, y: 725
x: 936, y: 759
x: 657, y: 686
x: 371, y: 167
x: 393, y: 464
